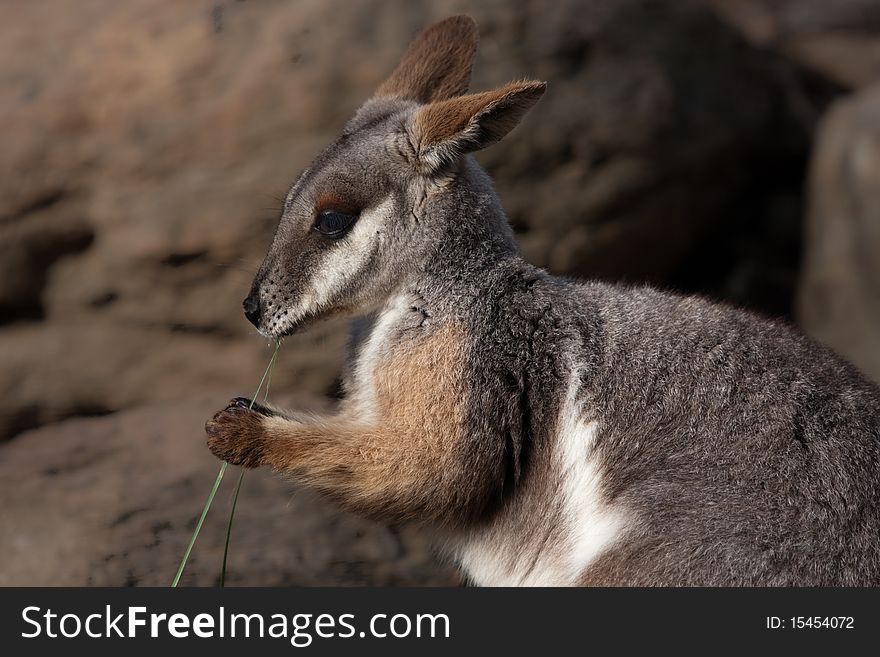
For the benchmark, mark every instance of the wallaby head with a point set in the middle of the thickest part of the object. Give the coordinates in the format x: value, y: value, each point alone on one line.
x: 373, y: 208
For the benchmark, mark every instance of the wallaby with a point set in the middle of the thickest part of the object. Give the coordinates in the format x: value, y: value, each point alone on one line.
x: 550, y: 432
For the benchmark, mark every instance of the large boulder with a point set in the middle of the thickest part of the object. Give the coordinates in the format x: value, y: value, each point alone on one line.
x: 112, y: 501
x: 665, y: 143
x: 839, y: 300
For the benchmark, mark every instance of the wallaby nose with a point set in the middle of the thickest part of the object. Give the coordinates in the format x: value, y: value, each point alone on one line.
x: 251, y: 307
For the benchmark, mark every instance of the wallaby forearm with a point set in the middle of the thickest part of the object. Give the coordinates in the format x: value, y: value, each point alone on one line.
x: 380, y: 470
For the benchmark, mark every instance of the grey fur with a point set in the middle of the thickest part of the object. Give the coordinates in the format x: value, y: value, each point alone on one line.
x: 741, y: 452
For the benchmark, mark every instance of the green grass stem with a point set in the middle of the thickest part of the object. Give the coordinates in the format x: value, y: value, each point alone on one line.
x: 192, y: 541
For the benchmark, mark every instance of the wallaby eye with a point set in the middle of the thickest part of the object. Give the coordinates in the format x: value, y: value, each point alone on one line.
x: 334, y: 224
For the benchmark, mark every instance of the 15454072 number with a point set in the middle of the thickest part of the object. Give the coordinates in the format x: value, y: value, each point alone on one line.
x: 811, y: 622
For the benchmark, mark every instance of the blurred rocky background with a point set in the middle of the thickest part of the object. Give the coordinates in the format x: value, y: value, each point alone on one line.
x: 725, y: 147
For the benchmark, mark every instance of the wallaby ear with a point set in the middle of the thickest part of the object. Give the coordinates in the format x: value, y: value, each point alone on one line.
x: 444, y: 130
x: 437, y: 64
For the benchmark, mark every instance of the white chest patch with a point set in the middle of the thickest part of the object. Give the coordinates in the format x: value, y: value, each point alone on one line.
x: 592, y: 524
x: 362, y: 401
x: 587, y: 527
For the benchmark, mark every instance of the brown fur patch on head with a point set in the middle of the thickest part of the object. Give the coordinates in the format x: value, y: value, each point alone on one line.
x: 329, y: 200
x: 437, y: 64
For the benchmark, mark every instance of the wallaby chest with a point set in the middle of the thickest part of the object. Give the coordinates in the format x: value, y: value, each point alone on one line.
x: 382, y: 345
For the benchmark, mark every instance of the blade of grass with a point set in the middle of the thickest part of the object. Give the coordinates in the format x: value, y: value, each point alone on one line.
x: 229, y: 528
x: 192, y: 541
x: 213, y: 493
x: 269, y: 370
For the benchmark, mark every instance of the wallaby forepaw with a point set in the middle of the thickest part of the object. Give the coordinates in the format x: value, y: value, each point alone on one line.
x: 236, y: 433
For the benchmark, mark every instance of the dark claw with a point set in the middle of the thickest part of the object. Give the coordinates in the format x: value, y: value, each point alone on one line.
x: 245, y: 403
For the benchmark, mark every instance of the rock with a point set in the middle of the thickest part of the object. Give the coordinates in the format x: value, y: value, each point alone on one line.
x: 849, y: 60
x: 28, y: 252
x: 147, y: 145
x: 839, y: 41
x: 54, y: 370
x: 112, y: 501
x: 661, y: 153
x: 839, y: 298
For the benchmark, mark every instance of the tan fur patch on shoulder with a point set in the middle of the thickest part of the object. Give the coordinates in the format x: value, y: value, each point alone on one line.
x: 420, y: 389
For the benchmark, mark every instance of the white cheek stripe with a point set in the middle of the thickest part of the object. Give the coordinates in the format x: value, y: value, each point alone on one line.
x: 342, y: 262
